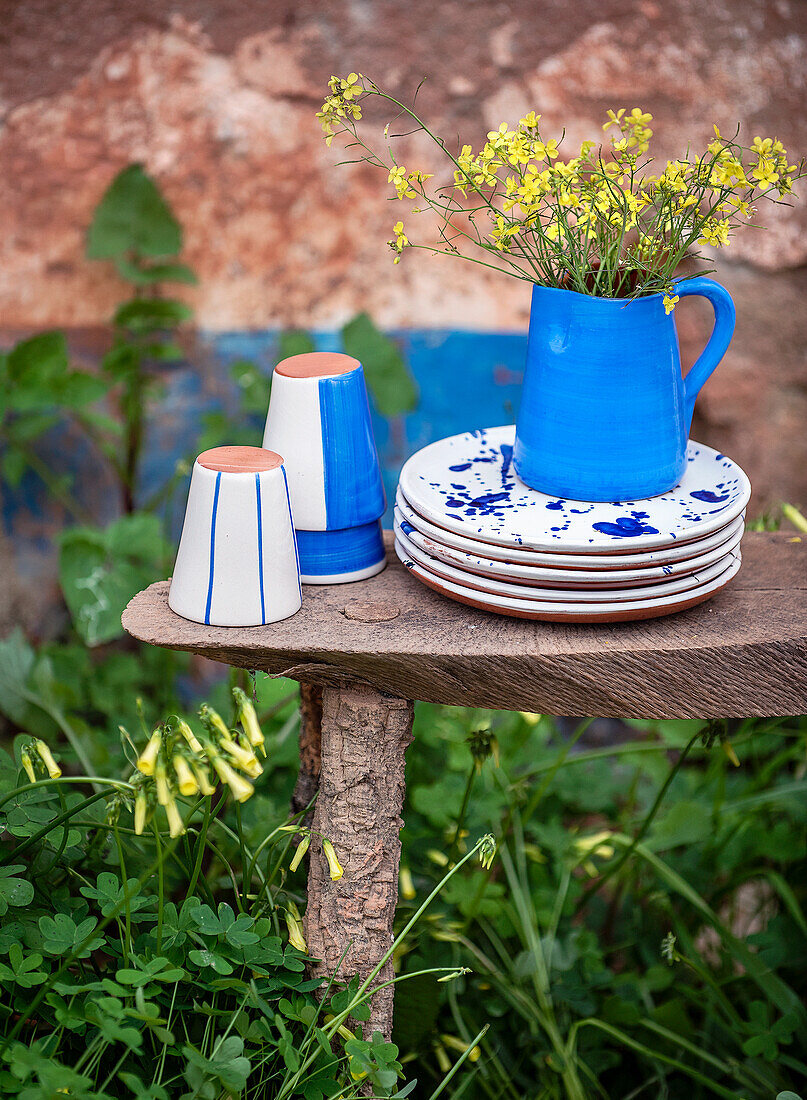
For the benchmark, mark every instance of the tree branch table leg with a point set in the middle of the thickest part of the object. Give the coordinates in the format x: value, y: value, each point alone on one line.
x: 310, y: 747
x: 361, y: 790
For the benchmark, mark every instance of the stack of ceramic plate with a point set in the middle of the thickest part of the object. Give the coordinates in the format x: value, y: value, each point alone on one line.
x: 468, y: 527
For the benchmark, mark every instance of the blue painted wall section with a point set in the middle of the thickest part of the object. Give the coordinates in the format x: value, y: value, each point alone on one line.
x: 465, y: 380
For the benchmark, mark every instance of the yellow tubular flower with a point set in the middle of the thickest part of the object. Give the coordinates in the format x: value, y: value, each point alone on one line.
x: 670, y: 301
x: 46, y: 756
x: 148, y: 757
x: 215, y: 720
x: 249, y: 720
x: 189, y: 736
x: 240, y: 787
x: 202, y: 778
x: 185, y: 778
x: 27, y: 763
x: 163, y: 793
x: 176, y: 826
x: 335, y: 868
x: 141, y: 808
x: 295, y: 928
x: 302, y: 848
x: 407, y: 885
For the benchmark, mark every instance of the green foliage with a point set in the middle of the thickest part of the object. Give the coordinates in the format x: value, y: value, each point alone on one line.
x: 132, y: 223
x: 641, y: 975
x: 122, y: 965
x: 388, y: 377
x: 100, y: 571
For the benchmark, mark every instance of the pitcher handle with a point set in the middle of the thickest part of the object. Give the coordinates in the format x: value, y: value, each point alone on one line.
x: 719, y: 340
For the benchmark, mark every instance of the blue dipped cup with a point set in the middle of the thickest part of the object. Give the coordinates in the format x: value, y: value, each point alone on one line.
x: 319, y: 420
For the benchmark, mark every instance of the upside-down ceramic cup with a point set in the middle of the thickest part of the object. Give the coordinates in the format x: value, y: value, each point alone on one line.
x: 319, y: 420
x: 237, y: 559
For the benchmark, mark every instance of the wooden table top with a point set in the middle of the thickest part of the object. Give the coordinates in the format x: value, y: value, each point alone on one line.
x: 743, y: 653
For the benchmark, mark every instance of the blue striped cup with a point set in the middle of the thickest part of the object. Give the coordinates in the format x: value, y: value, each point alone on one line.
x: 319, y: 420
x: 237, y: 560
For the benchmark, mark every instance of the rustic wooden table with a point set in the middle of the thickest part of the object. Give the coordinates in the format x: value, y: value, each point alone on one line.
x: 363, y: 652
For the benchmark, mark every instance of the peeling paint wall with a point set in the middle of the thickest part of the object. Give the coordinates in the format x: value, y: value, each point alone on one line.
x: 218, y: 101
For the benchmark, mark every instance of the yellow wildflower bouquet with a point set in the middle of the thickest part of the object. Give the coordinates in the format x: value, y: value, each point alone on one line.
x: 603, y: 222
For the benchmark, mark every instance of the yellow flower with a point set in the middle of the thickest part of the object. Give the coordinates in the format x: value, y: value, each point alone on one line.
x: 406, y: 882
x: 212, y: 718
x: 351, y: 87
x: 46, y: 756
x: 27, y: 763
x: 249, y: 720
x: 302, y: 848
x: 400, y: 242
x: 141, y: 808
x: 335, y: 868
x: 545, y: 150
x: 530, y: 121
x: 176, y: 826
x: 295, y: 928
x: 163, y: 793
x: 614, y: 119
x: 189, y: 736
x: 715, y: 233
x: 670, y: 301
x: 766, y: 171
x: 397, y: 177
x: 148, y: 756
x: 240, y: 787
x: 203, y: 779
x: 186, y: 780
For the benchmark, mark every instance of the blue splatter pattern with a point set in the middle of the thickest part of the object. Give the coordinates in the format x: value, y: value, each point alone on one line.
x: 467, y: 484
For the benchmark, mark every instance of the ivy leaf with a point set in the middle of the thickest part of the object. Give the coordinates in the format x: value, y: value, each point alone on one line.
x: 14, y: 891
x: 62, y: 936
x: 133, y: 217
x: 388, y: 377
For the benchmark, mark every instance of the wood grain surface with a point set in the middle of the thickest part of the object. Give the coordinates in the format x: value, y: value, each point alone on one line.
x: 743, y: 653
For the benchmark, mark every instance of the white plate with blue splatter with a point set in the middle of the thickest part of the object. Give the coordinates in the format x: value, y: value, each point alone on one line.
x: 467, y: 484
x: 553, y: 576
x: 604, y: 563
x: 572, y: 611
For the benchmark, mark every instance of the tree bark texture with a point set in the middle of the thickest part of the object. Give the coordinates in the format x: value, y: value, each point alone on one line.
x: 364, y: 738
x: 310, y: 747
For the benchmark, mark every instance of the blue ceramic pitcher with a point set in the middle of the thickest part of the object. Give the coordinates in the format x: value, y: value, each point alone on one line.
x: 605, y: 412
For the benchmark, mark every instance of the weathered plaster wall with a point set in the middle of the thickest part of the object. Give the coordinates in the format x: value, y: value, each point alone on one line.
x: 218, y: 100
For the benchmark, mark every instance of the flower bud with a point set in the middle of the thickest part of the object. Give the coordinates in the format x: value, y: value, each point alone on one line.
x: 46, y: 756
x: 249, y: 720
x: 213, y: 719
x: 295, y: 928
x: 189, y: 736
x: 27, y: 763
x: 334, y: 866
x: 163, y: 793
x: 176, y: 825
x: 140, y: 811
x: 185, y: 777
x: 148, y: 757
x: 302, y: 848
